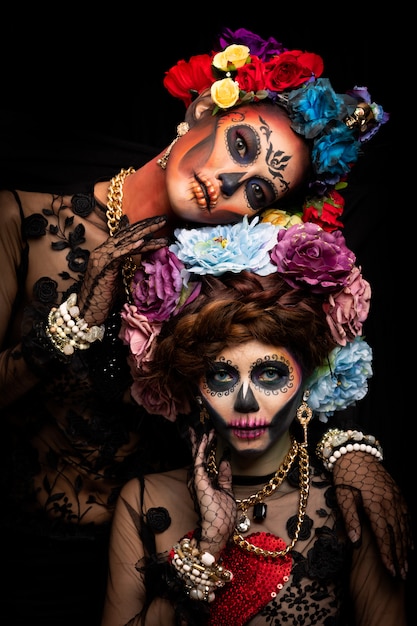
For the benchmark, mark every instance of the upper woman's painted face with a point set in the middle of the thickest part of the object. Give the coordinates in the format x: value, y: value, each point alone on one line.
x: 235, y: 164
x: 252, y: 393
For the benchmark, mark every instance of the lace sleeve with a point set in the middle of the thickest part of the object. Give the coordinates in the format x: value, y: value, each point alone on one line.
x: 105, y: 362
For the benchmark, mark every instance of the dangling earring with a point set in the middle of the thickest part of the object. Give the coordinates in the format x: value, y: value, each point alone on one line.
x: 182, y: 129
x: 304, y: 415
x: 204, y: 414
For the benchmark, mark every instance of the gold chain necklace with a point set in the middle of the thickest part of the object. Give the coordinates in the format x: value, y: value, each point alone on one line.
x: 243, y: 523
x: 267, y: 490
x: 114, y: 214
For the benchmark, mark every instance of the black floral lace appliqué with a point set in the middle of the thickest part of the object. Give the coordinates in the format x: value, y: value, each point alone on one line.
x: 158, y: 519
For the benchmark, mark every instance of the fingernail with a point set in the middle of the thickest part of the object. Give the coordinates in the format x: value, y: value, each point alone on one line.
x: 354, y: 537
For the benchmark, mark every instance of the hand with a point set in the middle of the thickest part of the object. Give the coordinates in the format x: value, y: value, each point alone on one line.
x: 363, y: 484
x: 101, y: 279
x: 217, y: 503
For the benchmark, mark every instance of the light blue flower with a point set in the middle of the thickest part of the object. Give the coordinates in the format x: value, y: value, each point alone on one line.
x: 227, y: 248
x: 343, y: 381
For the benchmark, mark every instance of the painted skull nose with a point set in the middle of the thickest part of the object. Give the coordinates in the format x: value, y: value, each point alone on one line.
x: 246, y: 403
x: 230, y: 183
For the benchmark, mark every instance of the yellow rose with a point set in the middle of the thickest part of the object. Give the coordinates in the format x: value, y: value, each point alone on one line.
x: 225, y: 93
x: 277, y: 217
x: 235, y: 54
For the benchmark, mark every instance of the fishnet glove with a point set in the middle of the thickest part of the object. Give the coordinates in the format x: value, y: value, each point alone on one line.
x: 217, y: 503
x: 364, y: 485
x: 101, y: 280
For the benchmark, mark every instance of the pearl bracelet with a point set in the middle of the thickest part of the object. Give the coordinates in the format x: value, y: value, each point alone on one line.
x: 68, y: 331
x: 335, y: 443
x: 199, y: 571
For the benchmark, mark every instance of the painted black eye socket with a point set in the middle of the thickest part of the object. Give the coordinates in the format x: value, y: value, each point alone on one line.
x: 243, y: 144
x: 222, y: 377
x: 245, y: 147
x: 270, y: 375
x: 259, y: 193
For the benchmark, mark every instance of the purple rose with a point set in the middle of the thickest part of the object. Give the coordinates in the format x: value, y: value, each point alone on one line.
x: 262, y: 48
x: 157, y: 285
x: 307, y: 255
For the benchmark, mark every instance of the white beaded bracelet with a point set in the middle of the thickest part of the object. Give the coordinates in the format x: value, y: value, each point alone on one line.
x: 68, y: 331
x: 335, y: 443
x: 199, y: 571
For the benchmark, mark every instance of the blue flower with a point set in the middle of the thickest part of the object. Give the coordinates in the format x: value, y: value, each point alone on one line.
x: 335, y: 152
x: 227, y: 248
x: 343, y: 381
x: 315, y: 104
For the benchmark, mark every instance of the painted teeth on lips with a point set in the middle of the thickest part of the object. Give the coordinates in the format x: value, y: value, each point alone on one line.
x: 248, y: 422
x: 248, y: 428
x: 248, y: 433
x: 205, y: 193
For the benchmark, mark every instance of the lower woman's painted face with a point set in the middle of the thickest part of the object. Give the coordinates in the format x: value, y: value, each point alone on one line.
x: 252, y: 393
x: 235, y: 164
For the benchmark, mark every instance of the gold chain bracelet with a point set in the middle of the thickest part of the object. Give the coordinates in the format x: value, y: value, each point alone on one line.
x: 114, y: 214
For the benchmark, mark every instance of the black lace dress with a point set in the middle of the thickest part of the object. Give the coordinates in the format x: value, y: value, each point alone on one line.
x: 70, y: 434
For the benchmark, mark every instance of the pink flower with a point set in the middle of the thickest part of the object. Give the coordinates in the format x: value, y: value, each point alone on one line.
x: 347, y: 310
x: 161, y: 286
x: 138, y: 333
x: 308, y: 256
x: 158, y: 400
x: 157, y: 285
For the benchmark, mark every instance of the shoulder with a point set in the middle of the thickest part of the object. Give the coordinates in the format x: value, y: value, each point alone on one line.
x: 156, y: 486
x: 28, y: 202
x: 165, y: 485
x: 11, y: 226
x: 9, y: 208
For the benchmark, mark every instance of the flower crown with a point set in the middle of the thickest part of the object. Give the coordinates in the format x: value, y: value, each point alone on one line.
x: 251, y: 69
x: 306, y: 255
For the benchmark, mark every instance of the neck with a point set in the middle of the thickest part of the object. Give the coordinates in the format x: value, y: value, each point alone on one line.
x: 144, y: 195
x: 263, y: 465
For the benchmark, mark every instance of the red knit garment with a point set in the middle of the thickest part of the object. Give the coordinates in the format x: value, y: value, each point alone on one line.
x: 256, y: 580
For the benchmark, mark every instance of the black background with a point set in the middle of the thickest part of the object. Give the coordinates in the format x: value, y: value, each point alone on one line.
x: 82, y: 97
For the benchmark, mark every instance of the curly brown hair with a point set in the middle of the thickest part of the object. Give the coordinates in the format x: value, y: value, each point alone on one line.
x: 232, y: 310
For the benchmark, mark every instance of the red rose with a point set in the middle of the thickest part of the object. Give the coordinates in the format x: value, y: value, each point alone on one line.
x: 291, y: 69
x: 251, y: 77
x: 325, y: 212
x: 186, y: 77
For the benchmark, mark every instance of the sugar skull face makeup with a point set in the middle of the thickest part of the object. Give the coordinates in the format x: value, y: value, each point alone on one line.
x: 252, y: 393
x: 236, y: 164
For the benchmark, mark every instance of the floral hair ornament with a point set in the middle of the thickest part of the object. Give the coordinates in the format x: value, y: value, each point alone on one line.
x: 306, y: 255
x: 250, y: 69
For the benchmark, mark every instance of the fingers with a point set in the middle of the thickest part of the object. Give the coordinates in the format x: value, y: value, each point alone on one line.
x: 225, y: 475
x: 137, y: 239
x: 392, y: 541
x: 348, y: 506
x: 201, y: 450
x: 144, y: 228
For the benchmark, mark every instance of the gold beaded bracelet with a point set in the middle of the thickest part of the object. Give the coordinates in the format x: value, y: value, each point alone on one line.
x: 68, y: 331
x: 199, y: 571
x: 335, y: 443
